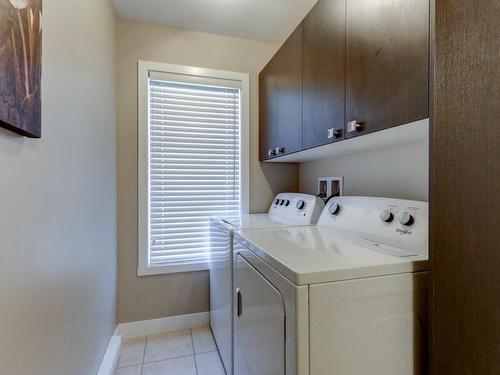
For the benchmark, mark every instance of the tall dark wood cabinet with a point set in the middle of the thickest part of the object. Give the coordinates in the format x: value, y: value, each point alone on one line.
x: 465, y: 182
x: 323, y: 73
x: 281, y: 100
x: 387, y: 47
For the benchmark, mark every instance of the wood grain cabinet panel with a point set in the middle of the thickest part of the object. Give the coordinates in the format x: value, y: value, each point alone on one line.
x: 288, y: 105
x: 267, y: 88
x: 465, y: 179
x: 281, y: 99
x: 323, y: 73
x: 387, y: 47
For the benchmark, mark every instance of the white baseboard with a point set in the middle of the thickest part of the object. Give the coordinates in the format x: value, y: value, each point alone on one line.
x: 111, y: 357
x: 162, y: 325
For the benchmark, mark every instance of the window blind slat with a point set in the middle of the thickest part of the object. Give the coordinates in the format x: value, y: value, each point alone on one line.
x: 203, y: 126
x: 194, y: 166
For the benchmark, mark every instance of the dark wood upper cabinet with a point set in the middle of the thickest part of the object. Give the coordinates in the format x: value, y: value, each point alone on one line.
x: 281, y: 99
x: 323, y: 73
x: 355, y: 60
x: 267, y: 89
x: 387, y: 47
x: 288, y: 105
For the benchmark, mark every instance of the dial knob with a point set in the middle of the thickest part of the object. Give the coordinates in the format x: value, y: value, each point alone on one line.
x: 282, y: 202
x: 277, y: 201
x: 386, y: 216
x: 405, y: 218
x: 334, y: 209
x: 287, y: 202
x: 300, y: 204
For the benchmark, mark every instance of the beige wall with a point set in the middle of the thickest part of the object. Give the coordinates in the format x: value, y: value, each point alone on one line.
x: 397, y: 172
x: 58, y: 204
x: 150, y: 297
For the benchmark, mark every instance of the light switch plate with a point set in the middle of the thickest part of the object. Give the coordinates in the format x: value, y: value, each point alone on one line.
x: 331, y: 186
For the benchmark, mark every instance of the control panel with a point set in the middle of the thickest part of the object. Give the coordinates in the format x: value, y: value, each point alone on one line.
x: 395, y: 222
x: 296, y: 208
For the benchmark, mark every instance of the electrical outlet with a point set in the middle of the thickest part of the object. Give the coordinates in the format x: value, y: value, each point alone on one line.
x: 328, y: 186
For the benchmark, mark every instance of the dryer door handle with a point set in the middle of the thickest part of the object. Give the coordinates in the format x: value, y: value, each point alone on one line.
x: 239, y: 302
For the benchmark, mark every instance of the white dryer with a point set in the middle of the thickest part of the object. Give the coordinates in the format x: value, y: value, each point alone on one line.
x: 287, y: 209
x: 345, y: 297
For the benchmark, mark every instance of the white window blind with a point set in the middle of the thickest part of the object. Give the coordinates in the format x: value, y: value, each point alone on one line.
x: 194, y: 163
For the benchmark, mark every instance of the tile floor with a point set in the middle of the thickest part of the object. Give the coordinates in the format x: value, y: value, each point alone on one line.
x: 188, y: 352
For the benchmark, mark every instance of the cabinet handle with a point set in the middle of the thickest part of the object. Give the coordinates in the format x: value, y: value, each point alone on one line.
x: 239, y: 302
x: 271, y: 152
x: 279, y: 150
x: 353, y: 126
x: 333, y: 133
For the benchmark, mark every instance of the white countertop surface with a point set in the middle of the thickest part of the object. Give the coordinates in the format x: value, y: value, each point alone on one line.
x: 314, y: 254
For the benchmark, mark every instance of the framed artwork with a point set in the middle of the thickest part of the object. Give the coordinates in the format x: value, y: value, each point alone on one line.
x: 21, y: 66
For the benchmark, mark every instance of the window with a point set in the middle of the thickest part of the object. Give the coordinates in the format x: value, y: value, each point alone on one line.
x: 192, y: 161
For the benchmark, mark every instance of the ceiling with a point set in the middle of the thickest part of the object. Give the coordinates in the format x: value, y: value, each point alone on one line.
x: 264, y: 20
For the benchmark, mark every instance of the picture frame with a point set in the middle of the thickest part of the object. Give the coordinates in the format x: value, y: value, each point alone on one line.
x: 21, y: 66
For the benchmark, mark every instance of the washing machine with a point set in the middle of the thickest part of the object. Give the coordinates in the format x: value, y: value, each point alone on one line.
x: 345, y: 297
x: 287, y: 209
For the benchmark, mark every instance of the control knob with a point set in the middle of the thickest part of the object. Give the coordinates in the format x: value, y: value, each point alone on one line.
x: 300, y: 204
x: 386, y: 216
x: 334, y: 209
x: 277, y: 201
x: 287, y: 202
x: 405, y: 218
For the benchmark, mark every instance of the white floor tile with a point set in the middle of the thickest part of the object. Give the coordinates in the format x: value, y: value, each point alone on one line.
x: 131, y: 370
x: 176, y: 366
x: 132, y: 352
x: 168, y: 345
x: 209, y: 364
x: 203, y: 340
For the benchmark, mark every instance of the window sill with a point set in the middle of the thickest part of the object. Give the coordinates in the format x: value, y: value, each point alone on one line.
x: 178, y: 268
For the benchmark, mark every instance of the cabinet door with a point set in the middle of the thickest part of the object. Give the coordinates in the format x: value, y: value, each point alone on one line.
x: 288, y: 100
x: 259, y: 323
x: 267, y: 96
x: 323, y: 59
x: 387, y: 63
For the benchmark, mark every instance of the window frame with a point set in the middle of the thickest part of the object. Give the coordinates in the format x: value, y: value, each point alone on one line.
x: 143, y: 69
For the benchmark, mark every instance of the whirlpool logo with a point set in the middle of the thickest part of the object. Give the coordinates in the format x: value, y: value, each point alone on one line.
x: 404, y: 231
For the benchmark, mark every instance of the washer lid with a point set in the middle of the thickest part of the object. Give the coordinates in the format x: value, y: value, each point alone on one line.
x: 312, y: 254
x: 256, y: 221
x: 252, y: 221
